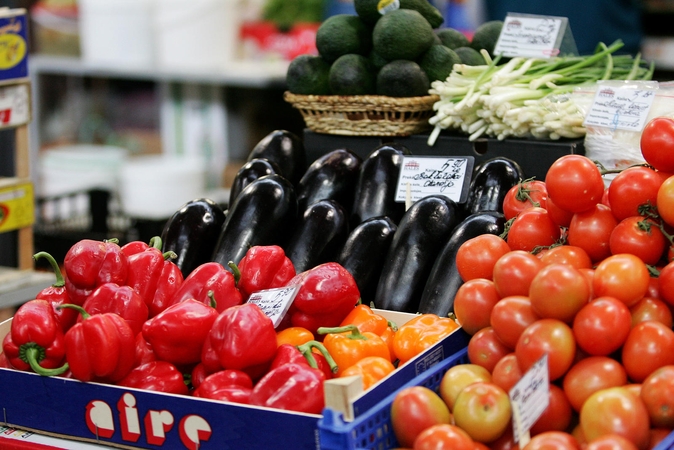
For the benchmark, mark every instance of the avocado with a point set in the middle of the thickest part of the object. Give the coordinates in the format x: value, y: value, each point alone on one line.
x: 402, y: 78
x: 377, y: 60
x: 352, y: 74
x: 342, y: 34
x: 452, y: 38
x: 438, y: 62
x: 470, y: 56
x: 486, y: 35
x: 370, y: 10
x: 308, y: 75
x: 402, y: 34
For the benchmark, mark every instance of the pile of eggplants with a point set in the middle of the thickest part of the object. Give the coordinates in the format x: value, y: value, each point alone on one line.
x: 342, y: 208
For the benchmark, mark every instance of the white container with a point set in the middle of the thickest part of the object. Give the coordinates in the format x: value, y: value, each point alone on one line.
x: 117, y: 32
x: 155, y: 186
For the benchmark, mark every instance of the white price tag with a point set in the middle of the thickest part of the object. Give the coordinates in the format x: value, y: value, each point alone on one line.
x: 275, y: 302
x: 421, y: 176
x: 624, y: 108
x: 530, y: 36
x: 529, y: 399
x: 14, y: 105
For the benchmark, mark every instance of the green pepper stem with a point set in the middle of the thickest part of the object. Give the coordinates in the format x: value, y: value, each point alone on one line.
x: 352, y: 329
x: 306, y: 350
x: 33, y: 354
x: 155, y: 242
x: 211, y: 296
x: 170, y: 255
x: 82, y: 311
x: 60, y: 281
x: 235, y: 271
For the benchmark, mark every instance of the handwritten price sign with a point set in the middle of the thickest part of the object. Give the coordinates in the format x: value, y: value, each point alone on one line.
x: 421, y: 176
x: 624, y: 108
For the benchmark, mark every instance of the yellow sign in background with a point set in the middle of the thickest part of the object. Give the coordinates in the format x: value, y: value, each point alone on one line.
x: 16, y: 206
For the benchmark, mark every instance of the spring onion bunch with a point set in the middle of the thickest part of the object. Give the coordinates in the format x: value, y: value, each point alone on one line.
x: 526, y: 97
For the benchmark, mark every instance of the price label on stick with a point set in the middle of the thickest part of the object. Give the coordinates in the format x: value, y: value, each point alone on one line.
x: 533, y: 36
x: 421, y: 176
x: 624, y: 108
x: 275, y: 302
x: 529, y: 398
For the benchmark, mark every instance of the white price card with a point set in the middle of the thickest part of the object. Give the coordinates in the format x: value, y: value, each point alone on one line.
x: 14, y: 105
x: 275, y: 302
x: 529, y: 398
x: 624, y: 108
x: 421, y: 176
x: 531, y: 36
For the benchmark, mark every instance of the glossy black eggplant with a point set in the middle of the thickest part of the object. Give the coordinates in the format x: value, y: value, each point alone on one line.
x: 364, y: 252
x: 263, y: 214
x: 444, y: 280
x: 192, y: 232
x: 377, y: 184
x: 421, y: 233
x: 286, y: 149
x: 249, y: 172
x: 318, y: 235
x: 490, y: 182
x: 332, y: 176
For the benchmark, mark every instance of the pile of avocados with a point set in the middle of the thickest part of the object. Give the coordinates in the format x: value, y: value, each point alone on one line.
x: 396, y: 53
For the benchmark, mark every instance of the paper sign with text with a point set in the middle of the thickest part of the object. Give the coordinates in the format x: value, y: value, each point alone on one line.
x: 529, y: 398
x: 624, y: 108
x: 275, y: 302
x: 531, y: 36
x: 421, y: 176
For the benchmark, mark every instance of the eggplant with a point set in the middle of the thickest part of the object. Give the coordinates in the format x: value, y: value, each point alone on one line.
x: 364, y: 252
x: 192, y: 232
x: 421, y: 233
x: 249, y: 172
x: 263, y: 214
x: 377, y: 185
x: 285, y: 149
x: 490, y: 182
x: 319, y: 234
x: 332, y: 176
x: 444, y: 280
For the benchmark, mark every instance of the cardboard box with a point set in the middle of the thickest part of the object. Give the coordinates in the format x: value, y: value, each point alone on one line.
x: 134, y: 418
x: 13, y: 43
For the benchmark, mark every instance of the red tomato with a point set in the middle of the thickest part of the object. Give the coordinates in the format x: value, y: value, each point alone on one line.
x: 665, y: 201
x: 443, y: 436
x: 413, y: 410
x: 632, y: 188
x: 590, y: 375
x: 618, y: 411
x: 574, y: 183
x: 482, y: 410
x: 485, y: 349
x: 566, y: 254
x: 558, y: 215
x: 558, y: 291
x: 666, y: 284
x: 506, y: 372
x: 601, y: 327
x: 532, y: 228
x: 657, y: 143
x: 649, y: 346
x: 657, y: 393
x: 514, y: 271
x: 610, y: 442
x: 473, y: 303
x: 640, y: 237
x: 591, y: 231
x: 557, y: 416
x: 622, y: 276
x: 547, y: 336
x: 553, y: 440
x: 510, y: 316
x: 476, y: 257
x: 650, y: 308
x: 524, y: 195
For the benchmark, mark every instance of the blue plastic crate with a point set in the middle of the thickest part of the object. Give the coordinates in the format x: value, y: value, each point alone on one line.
x: 667, y: 443
x: 373, y: 429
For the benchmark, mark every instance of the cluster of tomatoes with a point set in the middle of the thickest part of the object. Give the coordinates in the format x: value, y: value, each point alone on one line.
x: 584, y: 275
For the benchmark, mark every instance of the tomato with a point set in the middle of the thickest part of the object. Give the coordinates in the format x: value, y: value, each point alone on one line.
x: 558, y: 291
x: 574, y: 183
x: 506, y: 372
x: 443, y: 436
x: 631, y: 188
x: 514, y: 271
x: 618, y: 411
x: 610, y: 442
x: 601, y: 327
x: 623, y: 276
x: 473, y: 303
x: 413, y: 410
x: 666, y: 284
x: 524, y: 195
x: 566, y: 254
x: 532, y: 228
x: 649, y: 346
x: 657, y: 393
x: 482, y: 410
x: 505, y: 442
x: 657, y: 143
x: 458, y: 377
x: 591, y: 231
x: 557, y: 416
x: 476, y: 257
x: 590, y: 375
x: 553, y: 440
x: 510, y: 316
x: 640, y: 237
x: 547, y: 336
x: 485, y: 349
x: 665, y: 201
x: 650, y: 308
x: 558, y: 215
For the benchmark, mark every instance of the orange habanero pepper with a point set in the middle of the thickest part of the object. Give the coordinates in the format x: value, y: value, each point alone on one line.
x: 420, y: 333
x: 348, y: 345
x: 371, y: 369
x: 367, y: 320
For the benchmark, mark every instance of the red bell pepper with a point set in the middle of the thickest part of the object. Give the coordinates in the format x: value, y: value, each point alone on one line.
x: 144, y: 352
x: 90, y: 263
x: 263, y: 267
x: 56, y: 294
x: 209, y: 277
x: 121, y: 300
x: 100, y: 347
x: 177, y: 334
x: 303, y: 354
x: 293, y: 387
x: 198, y: 375
x: 226, y: 385
x: 159, y: 376
x: 328, y: 292
x: 36, y: 340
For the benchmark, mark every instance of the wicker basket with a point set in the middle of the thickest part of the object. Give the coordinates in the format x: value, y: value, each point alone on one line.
x: 364, y: 115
